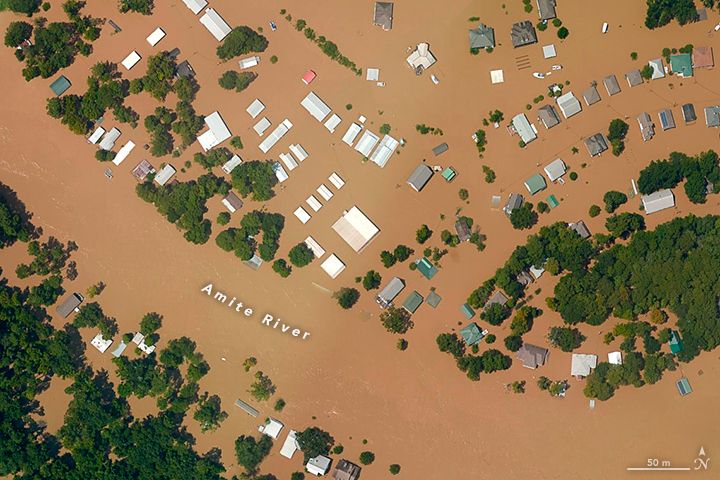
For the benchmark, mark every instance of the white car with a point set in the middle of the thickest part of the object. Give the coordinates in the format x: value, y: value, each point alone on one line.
x: 557, y: 67
x: 434, y: 79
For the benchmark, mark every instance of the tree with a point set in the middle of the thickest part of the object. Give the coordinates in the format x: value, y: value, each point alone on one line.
x: 661, y: 12
x: 625, y: 224
x: 186, y: 88
x: 523, y: 217
x: 394, y: 469
x: 566, y: 339
x: 495, y: 314
x: 209, y: 413
x: 239, y: 41
x: 281, y: 267
x: 423, y: 234
x: 402, y: 252
x: 150, y: 323
x: 563, y: 33
x: 236, y: 143
x: 543, y: 207
x: 158, y: 81
x: 262, y: 388
x: 366, y: 458
x: 613, y: 200
x: 17, y: 32
x: 616, y: 134
x: 251, y: 452
x: 238, y: 81
x: 387, y: 259
x: 28, y: 7
x: 223, y: 218
x: 513, y: 342
x: 347, y: 297
x: 450, y: 343
x: 314, y: 441
x: 372, y: 280
x: 489, y: 174
x: 254, y: 178
x: 396, y: 320
x: 543, y: 383
x: 140, y: 6
x: 301, y: 255
x: 385, y: 129
x: 463, y: 194
x: 646, y: 72
x: 297, y: 476
x: 493, y: 360
x: 594, y: 211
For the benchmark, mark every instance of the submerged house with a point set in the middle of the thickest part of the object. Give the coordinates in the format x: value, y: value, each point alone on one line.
x: 345, y: 470
x: 596, y: 144
x: 546, y: 9
x: 658, y: 201
x: 535, y: 184
x: 580, y: 228
x: 569, y: 105
x: 523, y: 33
x: 548, y: 116
x: 611, y: 85
x: 666, y: 119
x: 591, y: 95
x: 532, y: 356
x: 391, y: 290
x: 515, y: 200
x: 383, y: 15
x: 712, y: 116
x: 634, y: 78
x: 481, y: 37
x: 647, y: 128
x: 471, y: 334
x: 463, y: 229
x: 420, y: 177
x: 523, y: 128
x: 688, y: 111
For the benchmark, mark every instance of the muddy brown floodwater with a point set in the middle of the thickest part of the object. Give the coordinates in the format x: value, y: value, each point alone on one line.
x: 414, y: 407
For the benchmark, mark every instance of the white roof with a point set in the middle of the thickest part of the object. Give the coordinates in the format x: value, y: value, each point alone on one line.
x: 336, y: 180
x: 366, y: 143
x: 352, y: 132
x: 195, y: 5
x: 333, y: 266
x: 555, y: 169
x: 569, y: 105
x: 289, y: 161
x: 99, y: 132
x: 314, y: 203
x: 302, y: 215
x: 232, y: 163
x: 384, y: 151
x: 315, y: 106
x: 165, y: 174
x: 536, y: 272
x: 299, y: 152
x: 497, y: 76
x: 290, y: 446
x: 272, y: 428
x: 658, y: 68
x: 275, y: 136
x: 333, y: 122
x: 144, y: 347
x: 119, y: 350
x: 356, y: 229
x: 217, y: 132
x: 261, y: 126
x: 280, y: 172
x: 549, y: 51
x: 215, y: 24
x: 123, y: 152
x: 324, y: 192
x: 108, y: 141
x: 657, y: 201
x: 229, y: 205
x: 131, y: 60
x: 421, y: 57
x: 317, y: 250
x: 249, y: 62
x: 138, y: 338
x: 582, y: 364
x: 155, y: 37
x: 615, y: 358
x: 100, y: 344
x: 523, y: 128
x: 255, y: 108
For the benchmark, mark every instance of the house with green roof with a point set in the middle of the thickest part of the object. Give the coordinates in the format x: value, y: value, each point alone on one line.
x: 535, y: 184
x: 675, y: 342
x: 426, y: 268
x: 60, y: 85
x: 552, y: 201
x: 412, y: 302
x: 448, y: 174
x: 681, y: 64
x: 471, y: 334
x: 467, y: 311
x: 433, y: 299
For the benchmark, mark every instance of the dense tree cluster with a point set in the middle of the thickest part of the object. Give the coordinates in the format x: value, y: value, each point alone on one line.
x: 314, y: 441
x: 301, y: 255
x: 213, y: 158
x: 158, y: 81
x: 242, y: 240
x: 661, y: 12
x: 14, y: 224
x: 473, y: 365
x: 239, y: 81
x: 140, y: 6
x: 396, y: 320
x: 184, y: 203
x: 372, y: 280
x: 239, y: 41
x: 617, y: 131
x: 281, y: 267
x: 423, y: 234
x: 698, y: 172
x: 159, y: 126
x: 49, y: 257
x: 347, y: 297
x: 255, y: 178
x: 250, y: 452
x: 326, y: 46
x: 566, y: 339
x: 613, y: 200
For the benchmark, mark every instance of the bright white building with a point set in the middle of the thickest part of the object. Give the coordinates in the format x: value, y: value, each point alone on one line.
x: 155, y: 37
x: 131, y: 60
x: 123, y: 152
x: 249, y: 62
x: 271, y: 428
x: 231, y: 164
x: 100, y: 344
x: 657, y: 201
x: 164, y: 175
x: 333, y: 266
x: 324, y: 192
x: 289, y: 161
x: 569, y: 105
x: 315, y: 106
x: 290, y: 446
x: 336, y: 180
x: 299, y: 152
x: 352, y: 132
x: 95, y: 137
x: 555, y: 169
x: 356, y: 229
x: 314, y: 203
x: 367, y: 142
x: 317, y: 250
x: 255, y: 108
x: 523, y: 128
x: 280, y: 172
x: 275, y: 136
x: 384, y: 151
x: 217, y: 132
x: 333, y: 122
x: 262, y: 125
x: 302, y: 215
x: 215, y: 24
x: 582, y: 364
x: 108, y: 140
x: 195, y: 6
x: 615, y: 358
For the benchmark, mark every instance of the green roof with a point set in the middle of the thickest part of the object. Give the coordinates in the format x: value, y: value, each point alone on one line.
x: 449, y: 173
x: 433, y: 299
x: 675, y: 342
x: 681, y: 64
x: 683, y: 386
x: 552, y: 201
x: 426, y: 267
x: 60, y: 85
x: 467, y: 311
x: 471, y: 334
x: 413, y: 301
x: 535, y: 183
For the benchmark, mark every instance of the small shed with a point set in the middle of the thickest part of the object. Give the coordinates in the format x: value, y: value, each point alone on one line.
x: 467, y: 311
x: 60, y: 85
x: 308, y: 77
x: 433, y: 299
x: 426, y: 268
x: 535, y: 184
x: 683, y: 386
x: 442, y: 148
x: 675, y: 342
x: 412, y: 302
x: 319, y: 465
x: 448, y: 174
x: 515, y: 200
x: 688, y: 111
x: 658, y: 201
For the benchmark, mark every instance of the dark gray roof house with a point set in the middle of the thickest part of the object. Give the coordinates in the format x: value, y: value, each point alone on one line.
x: 420, y: 177
x: 591, y: 95
x: 69, y: 305
x: 462, y: 229
x: 611, y: 85
x: 515, y: 200
x: 482, y: 37
x: 712, y: 116
x: 688, y: 111
x: 383, y: 15
x: 184, y: 70
x: 596, y: 144
x: 523, y: 33
x: 442, y: 148
x: 580, y: 228
x: 345, y: 470
x: 548, y: 116
x: 546, y: 9
x: 532, y: 356
x: 634, y: 78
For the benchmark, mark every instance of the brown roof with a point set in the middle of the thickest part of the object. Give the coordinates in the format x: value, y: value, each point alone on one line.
x: 532, y: 356
x: 346, y: 471
x: 702, y: 57
x: 233, y: 200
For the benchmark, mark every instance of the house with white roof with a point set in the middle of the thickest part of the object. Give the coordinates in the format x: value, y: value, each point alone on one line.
x: 215, y: 24
x: 217, y: 132
x: 569, y: 105
x: 290, y: 446
x: 523, y: 128
x: 367, y: 141
x: 271, y: 428
x: 195, y: 6
x: 333, y: 266
x: 165, y: 174
x: 315, y: 106
x: 101, y: 344
x: 658, y: 201
x: 318, y: 466
x: 582, y: 364
x: 384, y: 151
x: 356, y: 229
x: 555, y: 169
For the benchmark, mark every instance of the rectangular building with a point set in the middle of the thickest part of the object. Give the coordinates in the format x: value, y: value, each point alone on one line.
x: 356, y: 229
x: 215, y: 24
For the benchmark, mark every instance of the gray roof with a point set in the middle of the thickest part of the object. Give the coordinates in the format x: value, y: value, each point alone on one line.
x: 634, y: 78
x: 345, y: 470
x: 69, y: 304
x: 548, y: 116
x: 391, y: 290
x: 546, y: 9
x: 666, y: 119
x: 532, y: 356
x: 591, y: 95
x: 462, y: 229
x: 596, y: 144
x: 482, y: 37
x: 688, y: 111
x: 647, y: 128
x: 515, y: 200
x: 712, y: 116
x: 523, y: 128
x: 233, y: 200
x: 442, y: 148
x: 523, y: 33
x: 383, y: 15
x: 419, y: 177
x: 611, y: 84
x: 498, y: 297
x: 184, y: 70
x: 580, y: 228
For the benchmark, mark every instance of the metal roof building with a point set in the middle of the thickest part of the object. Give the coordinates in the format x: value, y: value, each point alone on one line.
x: 391, y: 290
x: 658, y: 201
x: 523, y: 128
x: 420, y: 177
x: 611, y: 85
x: 356, y: 229
x: 215, y: 24
x: 569, y: 105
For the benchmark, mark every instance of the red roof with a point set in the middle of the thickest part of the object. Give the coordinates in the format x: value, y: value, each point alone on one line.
x: 308, y: 77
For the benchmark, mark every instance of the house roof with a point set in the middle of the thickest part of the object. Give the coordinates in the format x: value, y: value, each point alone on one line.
x: 412, y: 301
x: 666, y: 119
x: 383, y: 15
x: 634, y: 78
x: 233, y: 201
x: 333, y: 266
x: 611, y: 84
x: 681, y: 64
x: 531, y: 355
x: 688, y: 111
x: 523, y: 33
x: 384, y: 151
x: 391, y: 290
x: 449, y: 173
x: 702, y: 57
x: 497, y: 297
x: 647, y: 128
x: 523, y: 128
x: 185, y: 70
x: 535, y: 184
x: 569, y: 105
x: 580, y: 228
x: 467, y: 311
x: 657, y: 201
x: 546, y: 9
x: 433, y: 299
x: 217, y: 131
x: 442, y: 148
x: 462, y: 229
x: 582, y: 364
x: 356, y: 229
x: 591, y: 95
x: 712, y: 116
x: 69, y: 304
x: 596, y: 144
x: 315, y: 106
x: 215, y: 24
x: 426, y: 268
x: 482, y: 37
x: 420, y: 177
x: 60, y: 85
x: 515, y: 200
x: 548, y: 116
x: 345, y: 470
x: 555, y: 169
x: 471, y: 334
x: 318, y: 465
x: 658, y: 68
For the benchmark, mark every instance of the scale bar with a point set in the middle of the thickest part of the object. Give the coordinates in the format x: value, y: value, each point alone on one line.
x: 662, y: 469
